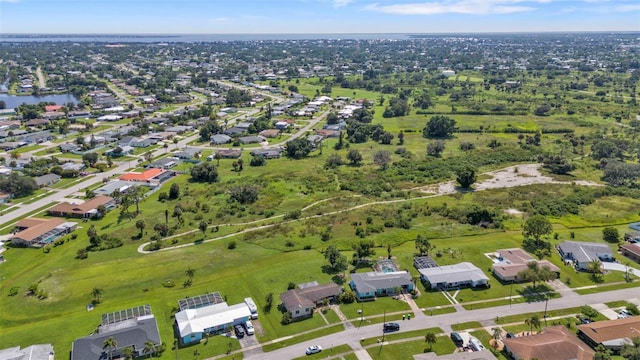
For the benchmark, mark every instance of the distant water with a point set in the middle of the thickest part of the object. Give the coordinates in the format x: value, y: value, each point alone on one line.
x: 13, y: 101
x: 192, y: 38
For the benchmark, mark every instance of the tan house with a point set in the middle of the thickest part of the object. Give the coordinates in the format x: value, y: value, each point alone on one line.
x: 612, y: 334
x: 36, y: 232
x: 555, y: 343
x: 301, y: 301
x: 512, y: 261
x: 87, y: 209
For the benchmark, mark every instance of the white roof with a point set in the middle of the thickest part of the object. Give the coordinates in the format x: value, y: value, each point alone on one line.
x: 463, y: 271
x: 192, y: 321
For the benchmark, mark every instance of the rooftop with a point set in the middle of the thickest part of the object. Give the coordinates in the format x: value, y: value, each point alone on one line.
x: 555, y: 343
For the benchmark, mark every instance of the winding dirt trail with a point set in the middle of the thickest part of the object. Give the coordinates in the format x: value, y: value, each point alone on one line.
x: 513, y: 176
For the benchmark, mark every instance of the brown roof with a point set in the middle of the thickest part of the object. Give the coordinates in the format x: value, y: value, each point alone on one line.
x: 516, y: 260
x: 37, y: 228
x: 601, y: 331
x: 555, y: 343
x: 270, y: 132
x: 30, y: 222
x: 632, y: 248
x: 308, y: 297
x: 292, y: 300
x: 83, y: 208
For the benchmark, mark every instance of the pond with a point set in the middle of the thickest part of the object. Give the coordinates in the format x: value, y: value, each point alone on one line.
x: 13, y: 101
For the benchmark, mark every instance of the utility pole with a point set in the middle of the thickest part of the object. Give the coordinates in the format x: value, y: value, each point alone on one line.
x: 546, y: 302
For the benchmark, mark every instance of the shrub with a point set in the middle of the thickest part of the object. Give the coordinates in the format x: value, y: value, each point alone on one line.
x: 82, y: 254
x: 347, y: 297
x: 231, y: 245
x: 14, y: 291
x: 169, y: 283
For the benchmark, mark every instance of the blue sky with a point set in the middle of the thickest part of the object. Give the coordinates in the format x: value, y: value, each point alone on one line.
x: 315, y: 16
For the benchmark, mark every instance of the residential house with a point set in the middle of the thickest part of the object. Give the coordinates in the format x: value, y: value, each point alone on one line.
x: 123, y: 150
x: 152, y: 177
x: 512, y: 261
x: 68, y: 147
x: 555, y: 343
x: 179, y: 129
x: 459, y: 275
x: 37, y: 123
x: 282, y: 125
x: 4, y: 198
x: 188, y: 153
x: 109, y: 117
x: 35, y: 232
x: 314, y: 140
x: 611, y: 334
x: 193, y: 324
x: 325, y: 133
x: 143, y: 143
x: 267, y: 153
x: 47, y: 180
x: 269, y: 133
x: 631, y: 250
x: 228, y: 153
x: 52, y: 108
x: 301, y: 301
x: 371, y: 284
x: 116, y: 185
x: 234, y: 131
x: 165, y: 163
x: 581, y: 254
x: 75, y: 166
x: 33, y: 352
x: 252, y: 139
x: 38, y: 137
x: 88, y: 209
x: 131, y: 328
x: 220, y: 139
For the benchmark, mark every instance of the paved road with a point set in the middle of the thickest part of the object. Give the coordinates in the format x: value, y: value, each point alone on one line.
x: 355, y: 334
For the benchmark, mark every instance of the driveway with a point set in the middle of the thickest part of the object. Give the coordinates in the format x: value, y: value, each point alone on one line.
x: 619, y: 267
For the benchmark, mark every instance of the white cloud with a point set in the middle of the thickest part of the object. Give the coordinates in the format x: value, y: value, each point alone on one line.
x: 341, y: 3
x: 480, y: 7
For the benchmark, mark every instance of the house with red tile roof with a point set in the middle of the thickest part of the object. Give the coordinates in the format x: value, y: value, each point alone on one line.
x: 52, y: 108
x: 153, y: 176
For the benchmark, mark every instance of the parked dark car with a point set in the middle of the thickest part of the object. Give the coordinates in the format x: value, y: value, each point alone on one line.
x: 457, y: 339
x: 239, y: 331
x: 389, y: 327
x: 510, y: 335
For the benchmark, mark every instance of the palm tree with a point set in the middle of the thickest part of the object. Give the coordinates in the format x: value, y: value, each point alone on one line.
x: 97, y: 294
x: 190, y: 273
x: 149, y: 348
x: 533, y: 321
x: 430, y: 338
x: 496, y: 334
x: 595, y: 268
x: 127, y: 353
x: 110, y: 344
x: 140, y: 225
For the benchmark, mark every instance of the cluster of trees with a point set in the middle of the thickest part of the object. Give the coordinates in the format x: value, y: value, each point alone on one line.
x: 298, y: 148
x: 17, y: 185
x: 205, y: 172
x: 439, y: 126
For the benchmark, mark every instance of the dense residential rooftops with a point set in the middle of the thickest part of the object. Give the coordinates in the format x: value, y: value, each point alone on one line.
x: 555, y: 343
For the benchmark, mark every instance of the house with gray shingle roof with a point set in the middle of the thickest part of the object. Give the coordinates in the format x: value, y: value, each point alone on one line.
x: 371, y: 284
x: 581, y: 254
x: 464, y: 274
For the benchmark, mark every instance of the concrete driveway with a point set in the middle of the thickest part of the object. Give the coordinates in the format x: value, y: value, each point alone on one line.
x: 619, y: 267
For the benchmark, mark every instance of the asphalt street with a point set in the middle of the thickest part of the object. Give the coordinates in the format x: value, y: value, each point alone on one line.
x: 353, y: 335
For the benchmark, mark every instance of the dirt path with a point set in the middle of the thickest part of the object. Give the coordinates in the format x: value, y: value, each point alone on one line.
x: 513, y: 176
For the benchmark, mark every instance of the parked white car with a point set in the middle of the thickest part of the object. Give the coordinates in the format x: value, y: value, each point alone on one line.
x: 249, y: 326
x: 314, y: 349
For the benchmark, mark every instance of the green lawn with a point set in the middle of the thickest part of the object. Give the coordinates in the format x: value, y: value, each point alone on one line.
x: 466, y: 326
x: 405, y: 350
